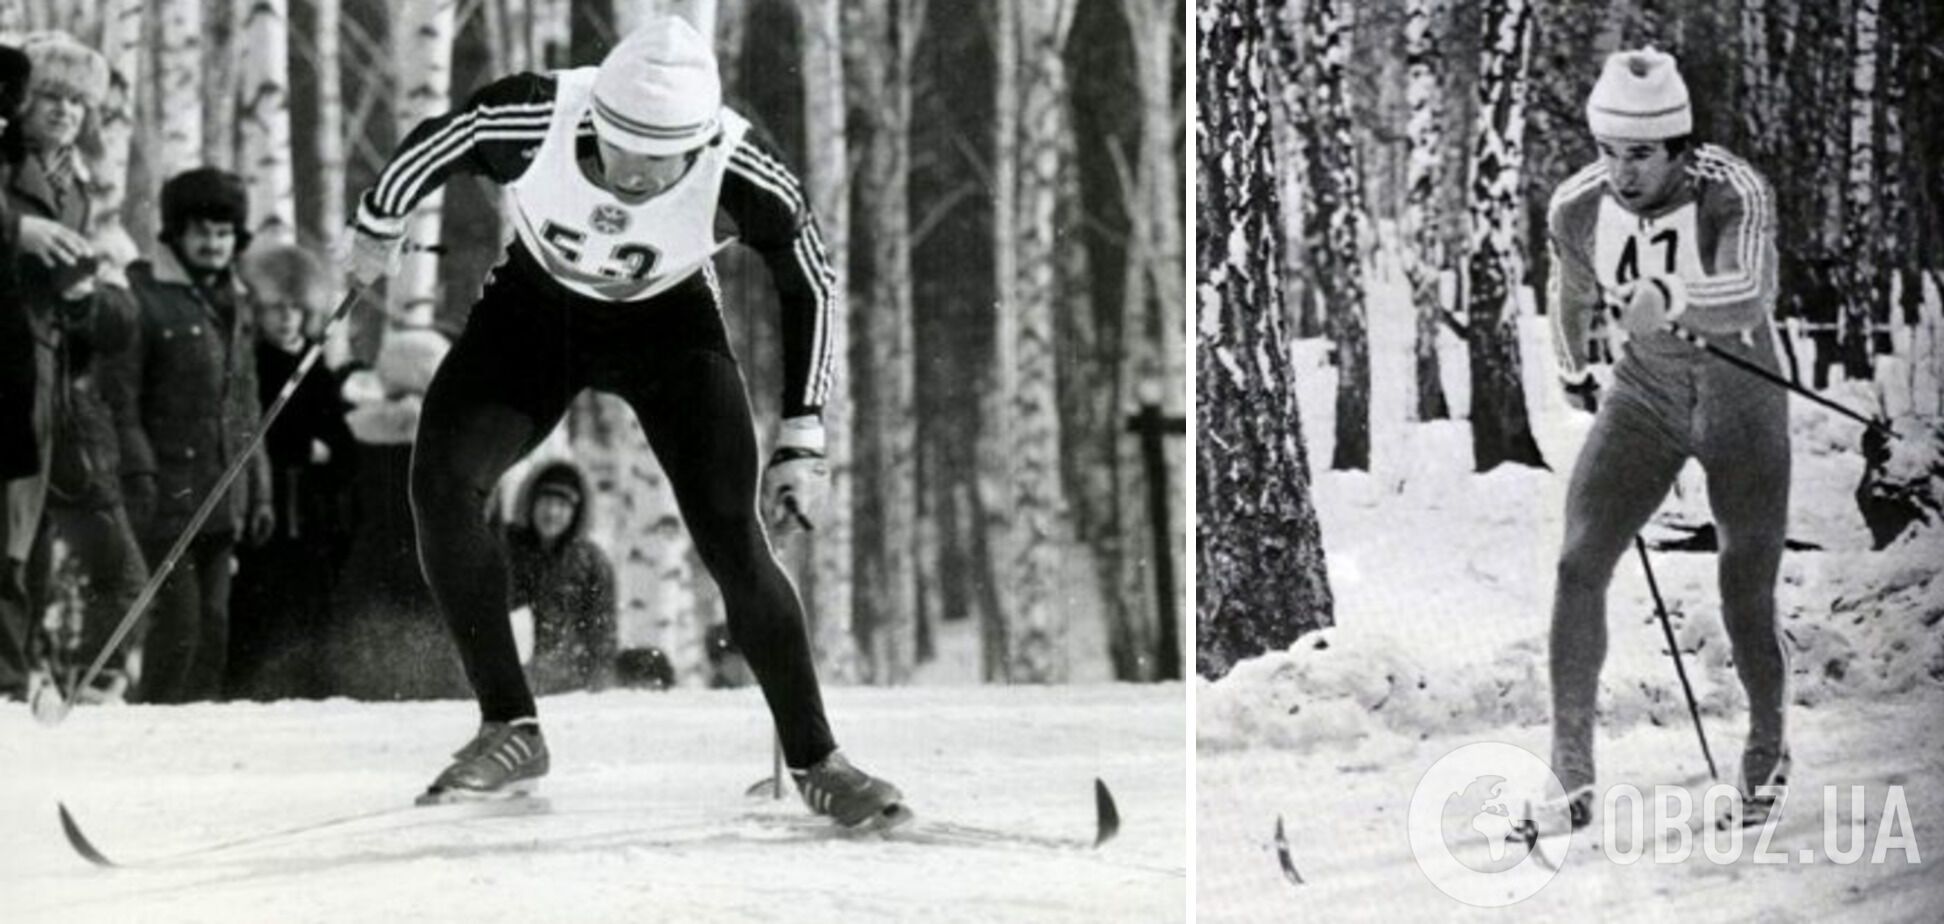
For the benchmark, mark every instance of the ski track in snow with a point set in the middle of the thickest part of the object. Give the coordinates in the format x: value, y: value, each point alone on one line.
x: 648, y: 817
x: 1442, y: 581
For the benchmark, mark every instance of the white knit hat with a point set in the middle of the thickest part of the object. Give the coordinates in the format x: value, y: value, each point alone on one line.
x: 1640, y: 97
x: 658, y: 91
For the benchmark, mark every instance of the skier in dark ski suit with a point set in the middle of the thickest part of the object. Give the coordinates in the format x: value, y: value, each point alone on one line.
x: 615, y: 177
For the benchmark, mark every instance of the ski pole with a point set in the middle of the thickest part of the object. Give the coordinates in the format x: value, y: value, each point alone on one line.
x: 1756, y: 370
x: 216, y: 496
x: 1660, y: 609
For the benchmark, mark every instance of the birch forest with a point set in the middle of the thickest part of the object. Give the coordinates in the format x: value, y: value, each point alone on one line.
x: 1412, y: 146
x: 1000, y: 183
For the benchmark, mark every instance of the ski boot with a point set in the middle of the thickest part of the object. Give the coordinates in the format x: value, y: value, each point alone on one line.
x: 1759, y: 801
x: 505, y: 760
x: 1547, y: 818
x: 851, y: 797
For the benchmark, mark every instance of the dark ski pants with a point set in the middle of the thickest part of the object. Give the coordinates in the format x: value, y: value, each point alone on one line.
x: 1670, y: 403
x: 527, y: 350
x: 186, y: 650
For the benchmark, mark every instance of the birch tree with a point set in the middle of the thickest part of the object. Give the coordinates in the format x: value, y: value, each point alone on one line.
x: 828, y: 184
x: 179, y: 85
x: 422, y: 60
x: 880, y: 38
x: 266, y: 122
x: 996, y: 407
x: 13, y: 19
x: 1340, y: 208
x: 222, y: 55
x: 1424, y: 254
x: 1866, y: 290
x: 327, y: 136
x: 121, y: 45
x: 1259, y: 552
x: 1037, y: 638
x: 1500, y: 429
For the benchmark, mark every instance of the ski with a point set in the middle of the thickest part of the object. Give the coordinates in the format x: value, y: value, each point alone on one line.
x: 375, y: 819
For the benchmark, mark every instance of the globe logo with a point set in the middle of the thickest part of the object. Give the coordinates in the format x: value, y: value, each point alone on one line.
x: 1461, y: 815
x: 1475, y: 824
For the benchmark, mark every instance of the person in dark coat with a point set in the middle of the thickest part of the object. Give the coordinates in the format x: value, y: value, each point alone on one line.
x: 280, y: 603
x: 82, y: 312
x: 185, y: 400
x: 566, y: 581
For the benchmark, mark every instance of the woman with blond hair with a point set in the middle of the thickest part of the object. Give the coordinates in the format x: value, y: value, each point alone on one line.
x: 77, y: 319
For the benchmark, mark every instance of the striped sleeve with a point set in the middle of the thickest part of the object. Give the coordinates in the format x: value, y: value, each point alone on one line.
x: 773, y: 217
x: 492, y: 136
x: 1737, y: 228
x: 1572, y: 289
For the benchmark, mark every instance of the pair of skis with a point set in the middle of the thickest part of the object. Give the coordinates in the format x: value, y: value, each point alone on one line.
x: 943, y: 833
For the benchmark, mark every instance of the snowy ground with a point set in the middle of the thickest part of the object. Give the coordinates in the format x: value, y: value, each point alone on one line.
x: 648, y: 818
x: 1443, y: 582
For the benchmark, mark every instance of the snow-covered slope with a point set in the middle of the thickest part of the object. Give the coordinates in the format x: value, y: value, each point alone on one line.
x: 648, y: 818
x: 1443, y: 581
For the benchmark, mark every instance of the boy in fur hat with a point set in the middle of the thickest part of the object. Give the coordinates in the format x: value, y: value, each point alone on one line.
x: 280, y: 605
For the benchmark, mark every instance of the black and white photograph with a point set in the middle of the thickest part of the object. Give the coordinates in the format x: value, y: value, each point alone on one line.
x: 597, y: 460
x: 1569, y: 439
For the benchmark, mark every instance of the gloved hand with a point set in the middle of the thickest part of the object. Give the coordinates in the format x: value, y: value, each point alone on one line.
x: 1583, y: 392
x: 1650, y: 308
x: 263, y: 523
x: 138, y: 497
x: 368, y: 257
x: 796, y: 483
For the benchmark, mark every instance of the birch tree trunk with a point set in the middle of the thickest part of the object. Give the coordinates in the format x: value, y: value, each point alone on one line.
x: 422, y: 38
x: 121, y: 44
x: 13, y: 20
x: 827, y: 178
x: 1893, y: 201
x: 179, y: 64
x: 1340, y: 207
x: 1424, y: 255
x: 266, y: 122
x: 328, y: 134
x: 996, y: 408
x: 1866, y: 291
x: 1259, y: 552
x: 881, y: 36
x: 549, y: 34
x: 1500, y: 429
x: 222, y: 55
x: 1037, y: 637
x: 1756, y: 107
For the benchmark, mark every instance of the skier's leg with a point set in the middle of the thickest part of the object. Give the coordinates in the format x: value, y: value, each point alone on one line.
x: 698, y: 422
x: 496, y: 396
x: 1744, y: 446
x: 1621, y: 476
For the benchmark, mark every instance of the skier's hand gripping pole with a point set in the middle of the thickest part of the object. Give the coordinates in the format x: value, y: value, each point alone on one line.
x: 209, y: 504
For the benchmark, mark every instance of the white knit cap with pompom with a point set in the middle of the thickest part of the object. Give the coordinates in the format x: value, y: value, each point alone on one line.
x: 1640, y: 97
x: 658, y: 91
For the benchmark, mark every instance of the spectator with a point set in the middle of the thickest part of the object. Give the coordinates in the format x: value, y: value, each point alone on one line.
x: 280, y: 605
x: 26, y: 386
x: 185, y: 400
x: 565, y: 579
x: 73, y: 321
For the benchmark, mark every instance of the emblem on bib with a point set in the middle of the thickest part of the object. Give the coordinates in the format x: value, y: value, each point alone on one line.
x: 609, y: 219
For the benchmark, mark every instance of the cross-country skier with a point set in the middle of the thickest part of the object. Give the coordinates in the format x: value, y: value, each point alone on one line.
x: 1673, y: 233
x: 615, y: 176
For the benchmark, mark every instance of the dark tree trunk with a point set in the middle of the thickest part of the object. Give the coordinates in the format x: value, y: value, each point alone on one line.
x: 1259, y: 552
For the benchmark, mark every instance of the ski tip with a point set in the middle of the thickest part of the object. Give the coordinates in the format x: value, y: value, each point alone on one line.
x: 79, y: 841
x: 1106, y: 815
x: 1282, y: 855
